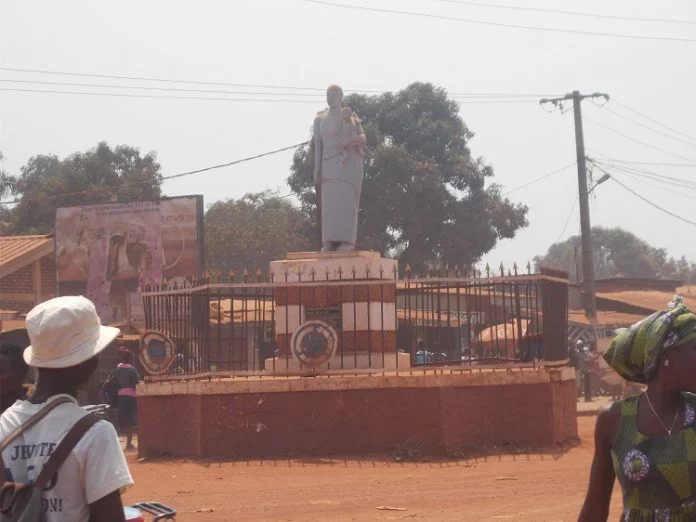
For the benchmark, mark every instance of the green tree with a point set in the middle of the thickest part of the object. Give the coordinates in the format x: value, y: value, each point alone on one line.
x: 7, y: 183
x: 99, y: 175
x: 617, y: 253
x: 249, y: 233
x: 425, y: 198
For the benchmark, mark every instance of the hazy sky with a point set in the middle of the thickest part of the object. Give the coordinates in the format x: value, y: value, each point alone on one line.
x: 295, y: 43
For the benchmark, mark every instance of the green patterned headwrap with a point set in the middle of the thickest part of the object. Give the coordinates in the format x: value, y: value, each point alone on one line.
x: 635, y: 352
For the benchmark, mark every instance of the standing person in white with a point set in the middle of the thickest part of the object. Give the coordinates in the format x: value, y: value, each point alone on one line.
x: 66, y: 340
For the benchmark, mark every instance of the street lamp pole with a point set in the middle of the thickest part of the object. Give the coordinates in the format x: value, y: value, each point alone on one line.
x: 589, y: 299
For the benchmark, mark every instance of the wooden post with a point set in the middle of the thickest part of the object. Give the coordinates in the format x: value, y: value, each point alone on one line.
x: 37, y: 281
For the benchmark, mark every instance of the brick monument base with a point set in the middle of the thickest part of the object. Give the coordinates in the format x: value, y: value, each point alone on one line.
x: 353, y: 292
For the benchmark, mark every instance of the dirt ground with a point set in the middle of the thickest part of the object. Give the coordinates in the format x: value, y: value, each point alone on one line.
x: 524, y: 487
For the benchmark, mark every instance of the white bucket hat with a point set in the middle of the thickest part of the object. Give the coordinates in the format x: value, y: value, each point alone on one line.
x: 64, y: 332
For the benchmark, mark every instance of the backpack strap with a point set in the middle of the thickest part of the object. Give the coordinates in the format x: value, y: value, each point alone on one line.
x: 79, y: 429
x: 24, y: 427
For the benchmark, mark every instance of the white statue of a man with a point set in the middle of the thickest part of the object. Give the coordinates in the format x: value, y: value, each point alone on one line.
x: 338, y: 171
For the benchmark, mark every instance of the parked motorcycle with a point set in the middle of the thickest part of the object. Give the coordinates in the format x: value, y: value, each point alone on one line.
x: 157, y: 510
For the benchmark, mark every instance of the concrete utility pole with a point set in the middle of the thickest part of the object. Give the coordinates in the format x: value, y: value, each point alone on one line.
x: 590, y: 302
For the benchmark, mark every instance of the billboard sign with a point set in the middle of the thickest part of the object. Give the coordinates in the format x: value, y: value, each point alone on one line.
x: 109, y: 252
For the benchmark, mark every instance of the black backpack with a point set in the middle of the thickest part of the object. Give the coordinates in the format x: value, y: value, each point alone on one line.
x: 110, y: 391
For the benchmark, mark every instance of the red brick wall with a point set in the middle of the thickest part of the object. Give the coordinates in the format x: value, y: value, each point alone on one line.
x: 22, y: 282
x: 445, y: 420
x: 48, y: 275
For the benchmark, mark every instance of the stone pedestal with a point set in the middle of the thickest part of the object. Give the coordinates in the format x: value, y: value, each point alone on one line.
x: 353, y: 292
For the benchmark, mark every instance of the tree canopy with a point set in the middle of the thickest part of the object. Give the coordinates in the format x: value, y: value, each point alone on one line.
x: 98, y: 175
x: 618, y: 253
x: 7, y: 182
x: 425, y: 198
x: 249, y: 233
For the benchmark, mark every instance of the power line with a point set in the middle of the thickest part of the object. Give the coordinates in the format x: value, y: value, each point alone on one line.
x: 681, y: 187
x: 573, y: 13
x: 151, y: 79
x: 501, y: 24
x: 639, y: 141
x: 653, y: 129
x: 668, y: 188
x: 254, y: 100
x: 570, y: 215
x: 160, y: 180
x: 646, y: 200
x: 540, y: 178
x: 653, y: 120
x: 658, y: 164
x: 668, y: 212
x: 148, y: 88
x: 670, y: 180
x: 155, y: 96
x: 320, y: 91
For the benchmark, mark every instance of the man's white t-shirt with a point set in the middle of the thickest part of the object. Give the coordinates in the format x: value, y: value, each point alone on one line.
x: 94, y: 468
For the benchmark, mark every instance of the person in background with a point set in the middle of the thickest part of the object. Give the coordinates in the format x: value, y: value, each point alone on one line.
x: 594, y: 369
x: 572, y: 354
x: 575, y: 356
x: 586, y: 366
x: 648, y: 442
x: 13, y: 369
x: 423, y: 356
x: 128, y: 378
x: 66, y: 340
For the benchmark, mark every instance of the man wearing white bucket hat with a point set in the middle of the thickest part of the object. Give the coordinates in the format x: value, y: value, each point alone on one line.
x: 66, y: 338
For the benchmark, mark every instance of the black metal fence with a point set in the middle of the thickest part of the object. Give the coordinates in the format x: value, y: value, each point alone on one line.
x: 381, y: 321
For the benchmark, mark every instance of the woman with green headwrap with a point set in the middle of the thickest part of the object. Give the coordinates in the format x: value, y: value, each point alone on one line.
x: 648, y: 442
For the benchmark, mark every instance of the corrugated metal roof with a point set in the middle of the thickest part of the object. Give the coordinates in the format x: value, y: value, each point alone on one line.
x: 18, y: 251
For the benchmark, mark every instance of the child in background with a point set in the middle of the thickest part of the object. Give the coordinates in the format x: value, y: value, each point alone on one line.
x: 128, y: 378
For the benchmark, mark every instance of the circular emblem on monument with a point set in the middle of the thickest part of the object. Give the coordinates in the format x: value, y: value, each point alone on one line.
x: 156, y: 352
x: 314, y: 343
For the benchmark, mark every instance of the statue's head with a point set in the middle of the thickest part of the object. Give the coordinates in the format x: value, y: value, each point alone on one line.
x: 334, y: 96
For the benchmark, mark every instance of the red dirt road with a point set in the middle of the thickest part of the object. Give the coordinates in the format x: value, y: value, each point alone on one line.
x: 528, y: 487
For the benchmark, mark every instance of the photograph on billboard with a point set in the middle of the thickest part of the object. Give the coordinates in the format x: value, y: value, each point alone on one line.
x: 109, y: 252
